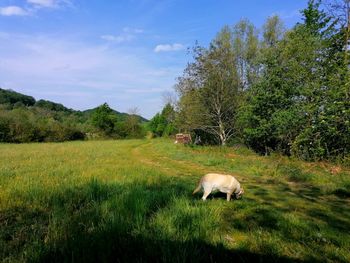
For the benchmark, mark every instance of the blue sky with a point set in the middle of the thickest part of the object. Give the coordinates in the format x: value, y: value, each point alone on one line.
x: 124, y: 52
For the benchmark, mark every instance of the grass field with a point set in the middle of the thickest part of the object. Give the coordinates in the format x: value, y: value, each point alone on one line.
x: 131, y: 201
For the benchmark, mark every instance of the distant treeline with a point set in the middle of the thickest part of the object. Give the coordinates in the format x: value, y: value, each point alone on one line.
x: 23, y: 119
x: 272, y: 89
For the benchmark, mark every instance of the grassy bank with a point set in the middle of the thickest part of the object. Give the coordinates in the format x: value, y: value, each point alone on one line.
x: 131, y: 201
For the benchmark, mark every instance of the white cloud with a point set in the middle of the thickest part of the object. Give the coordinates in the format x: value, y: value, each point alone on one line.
x: 49, y: 3
x: 13, y: 11
x: 43, y: 3
x: 150, y: 90
x: 33, y: 6
x: 168, y: 47
x: 118, y: 39
x: 133, y: 30
x: 127, y: 35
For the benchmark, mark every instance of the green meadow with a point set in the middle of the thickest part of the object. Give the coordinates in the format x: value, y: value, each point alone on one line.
x: 131, y: 201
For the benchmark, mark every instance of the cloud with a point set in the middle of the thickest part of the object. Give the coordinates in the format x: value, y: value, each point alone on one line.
x: 118, y: 39
x: 133, y: 30
x: 127, y: 35
x: 168, y: 47
x: 83, y: 75
x: 13, y: 11
x: 149, y: 90
x: 43, y: 3
x: 33, y: 6
x: 49, y: 3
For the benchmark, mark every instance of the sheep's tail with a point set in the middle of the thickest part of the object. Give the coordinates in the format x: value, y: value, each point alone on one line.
x: 198, y: 188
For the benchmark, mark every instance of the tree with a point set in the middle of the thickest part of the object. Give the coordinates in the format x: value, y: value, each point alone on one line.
x: 4, y: 127
x: 132, y: 125
x: 162, y: 124
x: 340, y: 12
x: 209, y: 89
x: 51, y: 106
x: 104, y: 119
x: 11, y: 97
x: 246, y: 51
x: 299, y: 105
x: 293, y: 86
x: 315, y: 20
x: 271, y: 119
x: 327, y: 133
x: 273, y: 31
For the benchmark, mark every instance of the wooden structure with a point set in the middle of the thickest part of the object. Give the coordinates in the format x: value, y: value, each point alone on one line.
x: 183, y: 138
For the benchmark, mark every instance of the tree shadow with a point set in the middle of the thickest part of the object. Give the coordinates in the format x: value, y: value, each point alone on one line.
x: 20, y: 226
x: 100, y: 222
x: 342, y: 192
x: 116, y: 247
x: 331, y: 219
x: 301, y: 215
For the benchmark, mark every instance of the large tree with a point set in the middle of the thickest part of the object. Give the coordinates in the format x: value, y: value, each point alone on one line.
x: 209, y: 89
x: 246, y: 51
x: 299, y: 105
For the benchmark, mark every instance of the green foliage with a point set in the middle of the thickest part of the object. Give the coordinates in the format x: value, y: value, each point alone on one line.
x: 163, y: 124
x: 110, y: 123
x: 326, y: 134
x: 104, y: 119
x: 11, y: 97
x: 46, y: 121
x: 22, y: 125
x: 212, y: 85
x: 22, y: 119
x: 273, y: 31
x: 132, y: 127
x: 271, y: 118
x: 49, y: 105
x: 157, y: 125
x: 288, y: 92
x: 315, y: 20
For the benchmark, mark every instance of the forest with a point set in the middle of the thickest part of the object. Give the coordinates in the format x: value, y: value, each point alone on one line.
x: 23, y: 119
x: 273, y: 89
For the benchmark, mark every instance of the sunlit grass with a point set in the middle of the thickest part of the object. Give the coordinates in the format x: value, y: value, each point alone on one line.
x: 131, y: 200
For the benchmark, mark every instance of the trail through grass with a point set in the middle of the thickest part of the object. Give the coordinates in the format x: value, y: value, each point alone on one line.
x: 103, y: 201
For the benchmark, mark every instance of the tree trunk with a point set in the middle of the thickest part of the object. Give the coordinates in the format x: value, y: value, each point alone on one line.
x: 222, y: 133
x: 222, y: 139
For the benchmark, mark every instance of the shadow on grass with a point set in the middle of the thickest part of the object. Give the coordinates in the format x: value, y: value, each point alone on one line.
x: 300, y: 215
x: 100, y: 222
x: 118, y: 230
x: 342, y: 192
x: 21, y: 226
x: 117, y: 247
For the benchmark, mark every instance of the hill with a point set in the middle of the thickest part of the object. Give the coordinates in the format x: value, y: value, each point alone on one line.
x: 121, y: 116
x: 23, y: 119
x: 13, y: 98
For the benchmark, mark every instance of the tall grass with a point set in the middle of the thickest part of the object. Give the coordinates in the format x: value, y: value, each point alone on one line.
x: 131, y: 201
